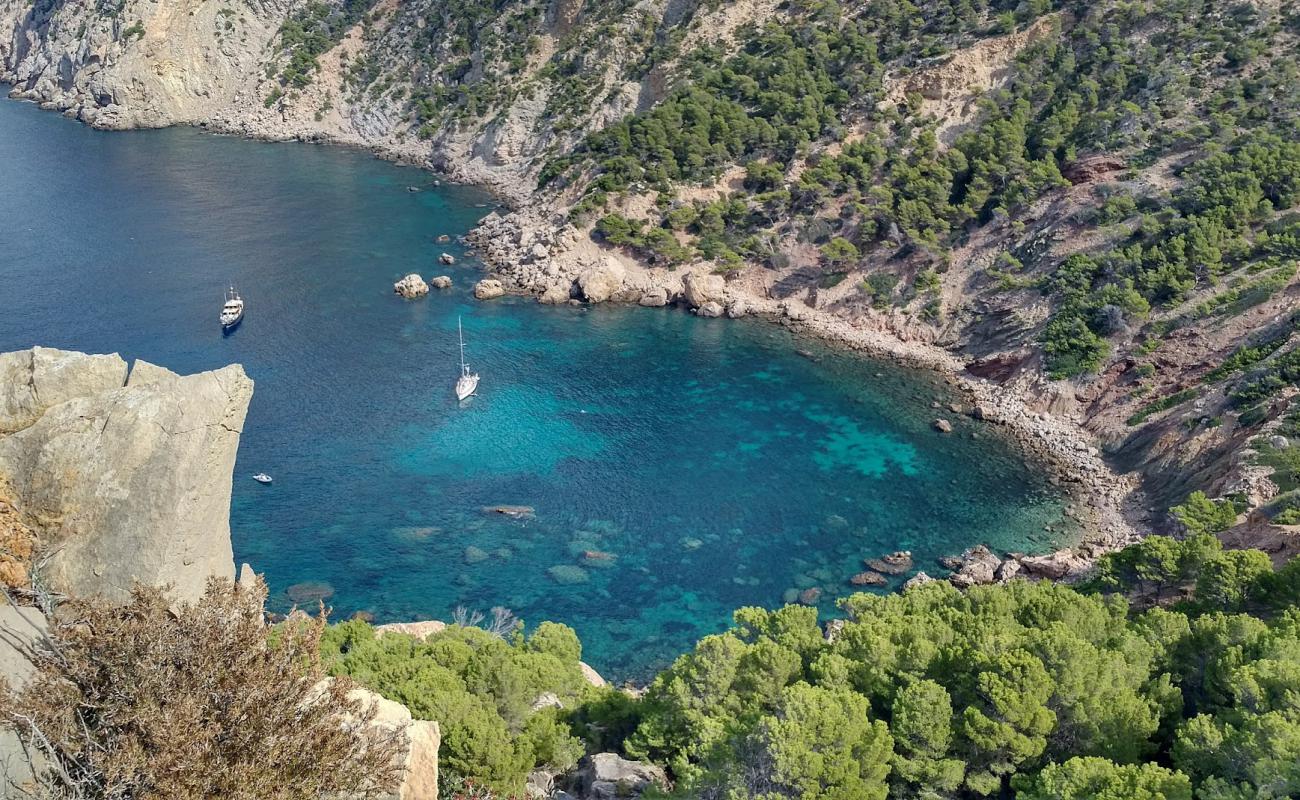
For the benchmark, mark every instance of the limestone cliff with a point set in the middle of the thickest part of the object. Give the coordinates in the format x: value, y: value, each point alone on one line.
x: 120, y: 478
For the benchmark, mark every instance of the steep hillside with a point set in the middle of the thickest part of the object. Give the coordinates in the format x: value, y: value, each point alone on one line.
x: 1086, y: 210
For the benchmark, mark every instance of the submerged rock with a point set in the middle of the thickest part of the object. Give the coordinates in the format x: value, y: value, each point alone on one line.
x: 475, y: 555
x: 809, y: 597
x: 568, y: 574
x: 411, y: 286
x: 441, y: 282
x: 868, y: 578
x: 942, y: 425
x: 309, y: 592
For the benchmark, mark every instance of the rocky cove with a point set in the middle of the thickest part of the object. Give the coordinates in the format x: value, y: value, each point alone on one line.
x: 652, y: 444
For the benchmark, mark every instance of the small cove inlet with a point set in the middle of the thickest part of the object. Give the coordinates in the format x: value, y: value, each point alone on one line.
x: 673, y: 468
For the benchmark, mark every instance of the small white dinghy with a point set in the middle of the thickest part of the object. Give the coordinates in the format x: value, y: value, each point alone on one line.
x: 262, y: 477
x: 467, y: 383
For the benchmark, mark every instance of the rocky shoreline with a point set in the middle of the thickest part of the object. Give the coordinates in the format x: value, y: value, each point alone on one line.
x: 529, y: 253
x: 535, y: 250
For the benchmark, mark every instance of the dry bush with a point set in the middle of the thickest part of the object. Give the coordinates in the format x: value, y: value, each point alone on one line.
x: 150, y: 702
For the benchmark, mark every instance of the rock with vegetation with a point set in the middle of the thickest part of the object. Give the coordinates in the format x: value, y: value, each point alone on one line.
x: 122, y: 479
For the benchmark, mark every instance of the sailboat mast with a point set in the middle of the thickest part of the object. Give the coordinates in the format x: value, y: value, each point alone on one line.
x: 461, y: 334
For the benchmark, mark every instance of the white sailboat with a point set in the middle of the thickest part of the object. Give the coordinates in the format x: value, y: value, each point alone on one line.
x: 467, y: 383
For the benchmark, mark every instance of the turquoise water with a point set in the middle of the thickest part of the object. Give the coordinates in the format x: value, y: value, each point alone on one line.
x: 678, y: 467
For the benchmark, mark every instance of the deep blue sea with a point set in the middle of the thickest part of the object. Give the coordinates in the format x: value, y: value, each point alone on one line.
x: 678, y: 467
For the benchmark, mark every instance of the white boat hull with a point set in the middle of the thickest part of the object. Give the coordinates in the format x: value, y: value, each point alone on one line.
x: 466, y: 386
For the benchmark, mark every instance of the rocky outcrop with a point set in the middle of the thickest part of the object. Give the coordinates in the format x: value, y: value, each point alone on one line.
x: 411, y: 286
x: 418, y: 753
x: 978, y: 566
x: 122, y: 479
x: 420, y: 630
x: 606, y: 776
x: 488, y: 289
x: 698, y: 289
x: 441, y: 282
x: 600, y: 281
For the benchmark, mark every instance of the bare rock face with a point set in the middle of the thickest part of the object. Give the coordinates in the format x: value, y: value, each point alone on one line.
x: 654, y: 297
x: 411, y: 286
x: 1055, y: 566
x: 22, y: 633
x: 122, y: 480
x: 600, y: 281
x: 699, y: 289
x: 488, y: 289
x: 710, y: 309
x: 420, y: 630
x: 441, y: 282
x: 556, y: 294
x: 33, y: 380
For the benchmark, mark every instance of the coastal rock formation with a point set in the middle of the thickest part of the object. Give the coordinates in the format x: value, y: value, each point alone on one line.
x: 122, y: 479
x: 895, y: 563
x: 978, y: 566
x: 654, y: 297
x: 488, y: 289
x: 601, y: 280
x: 710, y: 309
x: 441, y: 282
x: 555, y: 294
x: 411, y: 286
x: 698, y: 289
x: 1055, y: 566
x: 919, y: 579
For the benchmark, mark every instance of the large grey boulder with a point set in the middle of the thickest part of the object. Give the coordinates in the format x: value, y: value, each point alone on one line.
x: 698, y: 289
x: 599, y: 281
x: 124, y: 480
x: 606, y: 776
